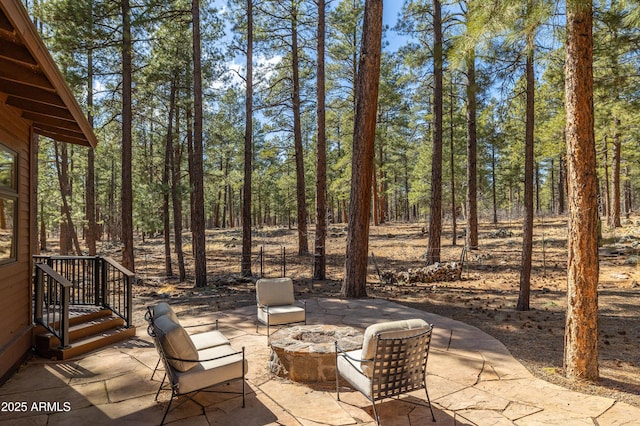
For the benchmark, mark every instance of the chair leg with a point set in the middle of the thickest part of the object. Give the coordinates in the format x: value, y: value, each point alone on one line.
x: 337, y: 373
x: 243, y: 373
x: 155, y: 369
x: 160, y: 387
x: 433, y: 417
x: 167, y: 410
x: 375, y: 413
x: 187, y: 397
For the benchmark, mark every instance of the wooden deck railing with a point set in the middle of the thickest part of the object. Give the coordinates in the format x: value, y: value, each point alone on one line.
x: 63, y: 281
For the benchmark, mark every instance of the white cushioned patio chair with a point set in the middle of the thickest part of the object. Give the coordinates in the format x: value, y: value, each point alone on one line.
x: 392, y: 361
x: 190, y: 370
x: 202, y: 340
x: 276, y: 303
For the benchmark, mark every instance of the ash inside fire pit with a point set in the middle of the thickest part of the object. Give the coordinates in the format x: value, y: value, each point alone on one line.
x: 306, y: 353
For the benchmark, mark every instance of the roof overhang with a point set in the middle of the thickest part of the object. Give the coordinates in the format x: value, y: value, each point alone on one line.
x: 31, y: 82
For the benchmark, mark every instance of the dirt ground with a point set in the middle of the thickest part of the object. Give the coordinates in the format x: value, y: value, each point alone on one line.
x: 485, y: 297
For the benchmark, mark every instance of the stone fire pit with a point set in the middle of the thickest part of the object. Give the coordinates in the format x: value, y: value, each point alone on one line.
x: 306, y: 353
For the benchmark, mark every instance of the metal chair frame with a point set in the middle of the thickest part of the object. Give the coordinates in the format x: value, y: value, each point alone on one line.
x: 399, y: 366
x: 148, y: 316
x: 173, y: 383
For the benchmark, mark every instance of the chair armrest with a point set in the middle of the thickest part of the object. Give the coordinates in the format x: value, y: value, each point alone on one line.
x: 349, y: 359
x: 343, y: 353
x: 208, y: 359
x: 148, y: 315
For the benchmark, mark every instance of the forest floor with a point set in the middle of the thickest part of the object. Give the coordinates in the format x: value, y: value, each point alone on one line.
x: 485, y: 297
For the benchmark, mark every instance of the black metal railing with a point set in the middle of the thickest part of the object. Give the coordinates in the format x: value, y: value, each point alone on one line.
x: 82, y: 271
x: 63, y: 281
x: 52, y: 292
x: 117, y: 285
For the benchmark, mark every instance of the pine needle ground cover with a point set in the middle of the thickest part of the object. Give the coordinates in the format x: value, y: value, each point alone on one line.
x: 486, y: 295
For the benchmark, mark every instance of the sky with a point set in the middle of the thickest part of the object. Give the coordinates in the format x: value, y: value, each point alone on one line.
x: 390, y: 11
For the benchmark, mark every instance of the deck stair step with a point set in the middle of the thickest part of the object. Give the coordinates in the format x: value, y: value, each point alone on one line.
x: 87, y: 332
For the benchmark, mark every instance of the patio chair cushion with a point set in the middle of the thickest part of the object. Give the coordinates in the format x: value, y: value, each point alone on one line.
x: 176, y: 343
x: 281, y: 314
x: 208, y: 339
x: 163, y: 308
x: 274, y: 292
x: 393, y: 329
x: 353, y: 372
x: 209, y: 373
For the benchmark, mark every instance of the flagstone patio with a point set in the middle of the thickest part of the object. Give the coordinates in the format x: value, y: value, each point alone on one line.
x: 473, y: 380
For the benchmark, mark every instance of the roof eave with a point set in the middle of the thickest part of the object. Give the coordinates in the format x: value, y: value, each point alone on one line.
x: 19, y: 18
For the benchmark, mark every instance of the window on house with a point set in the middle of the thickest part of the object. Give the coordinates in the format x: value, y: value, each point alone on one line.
x: 8, y: 204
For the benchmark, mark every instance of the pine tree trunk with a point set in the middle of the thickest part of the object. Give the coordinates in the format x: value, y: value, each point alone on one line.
x: 176, y: 197
x: 190, y: 159
x: 43, y: 231
x: 536, y: 168
x: 472, y: 155
x: 406, y: 192
x: 627, y: 192
x: 231, y: 211
x: 552, y: 186
x: 301, y: 200
x: 90, y: 193
x: 127, y: 118
x: 374, y: 186
x: 395, y: 197
x: 581, y: 331
x: 454, y: 219
x: 435, y: 221
x: 226, y: 208
x: 384, y: 208
x: 245, y: 265
x: 35, y: 179
x: 216, y: 215
x: 197, y: 218
x: 494, y: 188
x: 355, y: 276
x: 607, y: 188
x: 68, y: 236
x: 614, y: 213
x: 166, y: 186
x: 320, y: 258
x: 527, y: 226
x: 562, y: 181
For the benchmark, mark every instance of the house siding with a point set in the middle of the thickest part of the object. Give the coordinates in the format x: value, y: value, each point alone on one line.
x: 15, y: 277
